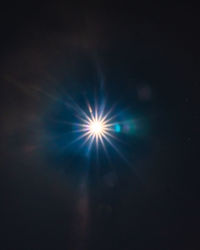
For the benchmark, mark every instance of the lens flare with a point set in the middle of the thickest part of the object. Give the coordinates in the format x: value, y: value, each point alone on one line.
x: 96, y: 125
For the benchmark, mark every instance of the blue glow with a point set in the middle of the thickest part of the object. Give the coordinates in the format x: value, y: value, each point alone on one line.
x: 117, y: 128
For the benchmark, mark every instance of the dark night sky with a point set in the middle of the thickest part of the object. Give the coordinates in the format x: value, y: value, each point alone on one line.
x: 147, y: 56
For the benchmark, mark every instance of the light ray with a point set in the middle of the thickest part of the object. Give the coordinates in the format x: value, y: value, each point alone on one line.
x: 94, y: 125
x: 97, y: 127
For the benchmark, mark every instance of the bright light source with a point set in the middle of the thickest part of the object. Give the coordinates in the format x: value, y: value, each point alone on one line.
x: 96, y: 128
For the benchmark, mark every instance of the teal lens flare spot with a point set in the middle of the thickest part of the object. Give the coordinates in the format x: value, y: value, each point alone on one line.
x: 117, y: 128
